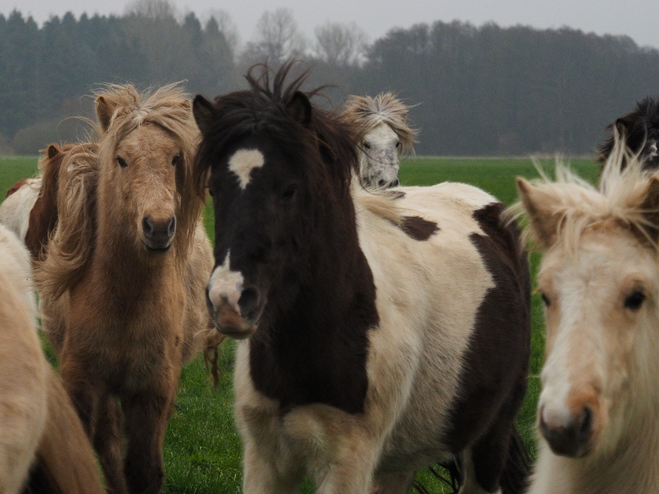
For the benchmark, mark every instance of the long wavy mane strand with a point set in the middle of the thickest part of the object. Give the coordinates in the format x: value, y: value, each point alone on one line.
x: 72, y: 243
x: 169, y: 108
x: 384, y: 108
x: 579, y: 205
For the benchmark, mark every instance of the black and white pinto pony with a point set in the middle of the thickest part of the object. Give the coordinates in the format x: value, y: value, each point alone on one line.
x: 599, y: 280
x: 640, y: 129
x: 387, y: 135
x: 379, y: 335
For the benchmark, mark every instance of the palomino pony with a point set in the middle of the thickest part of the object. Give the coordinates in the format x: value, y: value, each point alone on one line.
x: 30, y: 208
x: 43, y: 447
x: 599, y: 280
x: 123, y: 284
x: 380, y: 335
x: 641, y: 131
x: 387, y: 135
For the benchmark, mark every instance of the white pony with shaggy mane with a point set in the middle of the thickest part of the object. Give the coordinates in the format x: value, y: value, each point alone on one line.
x: 387, y: 135
x: 599, y: 280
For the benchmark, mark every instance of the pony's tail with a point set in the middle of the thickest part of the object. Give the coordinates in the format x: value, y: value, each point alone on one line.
x: 64, y: 462
x: 210, y: 340
x: 515, y: 476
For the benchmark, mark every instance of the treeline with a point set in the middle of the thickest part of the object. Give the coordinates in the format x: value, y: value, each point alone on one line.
x: 478, y: 91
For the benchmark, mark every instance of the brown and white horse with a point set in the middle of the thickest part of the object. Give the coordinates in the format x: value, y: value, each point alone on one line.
x: 122, y: 286
x: 15, y: 209
x: 599, y: 280
x: 43, y: 447
x: 30, y: 207
x: 387, y: 135
x: 379, y: 335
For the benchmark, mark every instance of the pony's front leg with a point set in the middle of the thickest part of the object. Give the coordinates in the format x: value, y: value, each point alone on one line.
x: 263, y: 474
x: 108, y: 442
x: 83, y: 391
x: 340, y: 451
x: 146, y: 418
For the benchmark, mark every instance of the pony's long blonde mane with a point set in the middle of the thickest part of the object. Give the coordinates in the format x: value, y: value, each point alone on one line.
x: 385, y: 108
x: 169, y: 108
x: 71, y: 243
x: 619, y: 199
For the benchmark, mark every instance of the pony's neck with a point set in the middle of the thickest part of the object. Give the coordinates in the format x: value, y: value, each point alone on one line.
x: 339, y: 272
x: 323, y: 333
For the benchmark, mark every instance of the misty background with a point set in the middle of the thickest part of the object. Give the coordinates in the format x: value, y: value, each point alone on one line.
x: 476, y: 91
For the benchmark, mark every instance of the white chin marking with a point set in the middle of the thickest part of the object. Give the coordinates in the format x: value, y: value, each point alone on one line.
x: 225, y: 286
x: 242, y: 163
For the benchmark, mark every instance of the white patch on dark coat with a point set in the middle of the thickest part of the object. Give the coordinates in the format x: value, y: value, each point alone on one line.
x: 225, y: 286
x: 242, y: 163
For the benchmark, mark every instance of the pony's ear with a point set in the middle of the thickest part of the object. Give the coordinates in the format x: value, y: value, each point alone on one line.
x: 650, y: 208
x: 104, y: 110
x: 299, y: 108
x: 540, y: 209
x: 204, y: 113
x: 52, y: 151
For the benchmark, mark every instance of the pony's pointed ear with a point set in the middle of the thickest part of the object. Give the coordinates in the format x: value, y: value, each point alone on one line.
x: 540, y: 210
x: 299, y: 108
x: 105, y: 108
x: 52, y: 151
x: 650, y: 208
x: 204, y: 113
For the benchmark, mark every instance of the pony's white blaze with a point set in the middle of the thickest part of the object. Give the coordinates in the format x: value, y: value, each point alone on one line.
x: 225, y: 286
x: 243, y: 161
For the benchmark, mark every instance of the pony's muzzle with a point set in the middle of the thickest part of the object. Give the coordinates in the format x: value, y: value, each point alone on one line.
x: 571, y: 438
x: 228, y: 319
x: 158, y: 234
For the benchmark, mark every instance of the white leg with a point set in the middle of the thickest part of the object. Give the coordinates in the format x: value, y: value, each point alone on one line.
x: 261, y: 474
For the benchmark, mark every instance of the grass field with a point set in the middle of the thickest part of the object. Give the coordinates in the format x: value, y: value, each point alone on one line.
x: 202, y: 448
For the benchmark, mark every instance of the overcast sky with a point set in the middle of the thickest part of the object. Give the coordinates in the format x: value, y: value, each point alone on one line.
x: 636, y: 18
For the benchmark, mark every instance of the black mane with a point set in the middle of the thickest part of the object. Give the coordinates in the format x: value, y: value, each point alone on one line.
x: 641, y: 133
x: 265, y: 109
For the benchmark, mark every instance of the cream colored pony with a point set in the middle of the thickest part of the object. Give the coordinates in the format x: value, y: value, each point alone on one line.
x: 387, y: 135
x: 42, y: 445
x: 599, y: 280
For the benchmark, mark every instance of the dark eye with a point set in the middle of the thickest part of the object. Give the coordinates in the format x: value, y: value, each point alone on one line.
x: 635, y: 300
x: 176, y: 160
x: 122, y: 162
x: 289, y: 192
x: 545, y: 299
x: 398, y: 144
x: 367, y: 145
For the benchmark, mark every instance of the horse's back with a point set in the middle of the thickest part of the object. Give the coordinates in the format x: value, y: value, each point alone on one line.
x: 23, y: 381
x: 452, y: 295
x: 15, y: 209
x: 16, y: 266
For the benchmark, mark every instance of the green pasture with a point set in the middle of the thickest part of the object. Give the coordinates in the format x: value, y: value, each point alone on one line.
x: 202, y: 447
